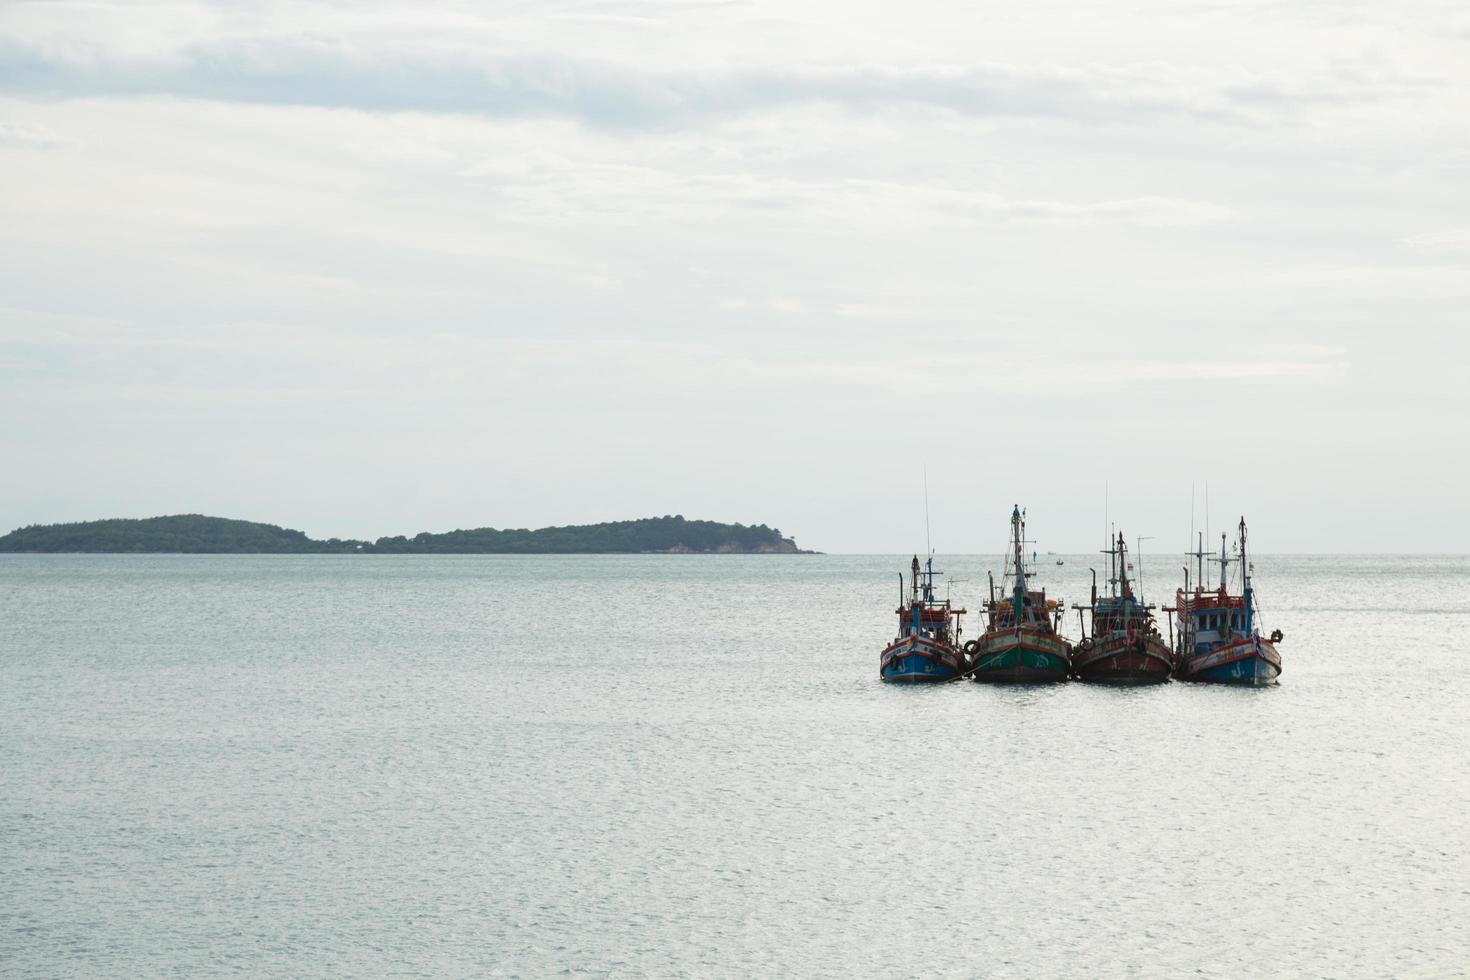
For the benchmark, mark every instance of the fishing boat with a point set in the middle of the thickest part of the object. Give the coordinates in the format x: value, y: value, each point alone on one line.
x: 1124, y: 646
x: 928, y: 645
x: 1021, y: 643
x: 1218, y: 635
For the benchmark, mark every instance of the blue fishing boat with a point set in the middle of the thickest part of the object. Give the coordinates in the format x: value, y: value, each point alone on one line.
x: 1218, y: 635
x: 928, y: 645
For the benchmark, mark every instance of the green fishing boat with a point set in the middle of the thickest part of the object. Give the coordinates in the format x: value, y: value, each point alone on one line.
x: 1021, y: 643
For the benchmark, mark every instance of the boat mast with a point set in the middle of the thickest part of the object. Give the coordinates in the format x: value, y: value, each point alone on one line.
x: 1018, y: 531
x: 1199, y: 555
x: 1245, y: 577
x: 1112, y: 552
x: 1124, y: 592
x: 1245, y: 573
x: 1112, y: 567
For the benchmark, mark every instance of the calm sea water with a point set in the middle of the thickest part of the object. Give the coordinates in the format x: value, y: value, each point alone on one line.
x: 687, y: 766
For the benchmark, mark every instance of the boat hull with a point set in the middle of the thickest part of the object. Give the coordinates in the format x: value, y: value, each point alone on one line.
x: 1249, y: 662
x: 1117, y: 659
x: 919, y: 661
x: 1024, y: 658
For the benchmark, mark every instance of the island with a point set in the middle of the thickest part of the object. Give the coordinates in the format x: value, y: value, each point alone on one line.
x: 197, y: 534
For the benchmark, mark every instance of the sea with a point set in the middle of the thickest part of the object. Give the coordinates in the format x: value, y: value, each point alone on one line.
x: 663, y: 765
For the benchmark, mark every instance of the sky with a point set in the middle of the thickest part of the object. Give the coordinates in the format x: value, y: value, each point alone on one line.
x: 374, y: 268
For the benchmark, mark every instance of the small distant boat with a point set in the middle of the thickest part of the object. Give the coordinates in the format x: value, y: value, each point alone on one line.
x: 1125, y: 646
x: 927, y: 649
x: 1218, y: 634
x: 1021, y: 643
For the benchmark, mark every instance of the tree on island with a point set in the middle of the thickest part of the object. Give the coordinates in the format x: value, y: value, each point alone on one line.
x: 197, y: 534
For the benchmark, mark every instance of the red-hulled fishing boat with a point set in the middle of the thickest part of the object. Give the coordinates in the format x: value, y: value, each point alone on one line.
x: 1125, y: 646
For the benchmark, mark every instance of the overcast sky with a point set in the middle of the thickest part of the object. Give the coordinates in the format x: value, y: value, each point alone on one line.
x: 374, y: 268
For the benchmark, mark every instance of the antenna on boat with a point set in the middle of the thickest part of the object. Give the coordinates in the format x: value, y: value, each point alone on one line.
x: 1191, y: 514
x: 1138, y: 555
x: 927, y: 546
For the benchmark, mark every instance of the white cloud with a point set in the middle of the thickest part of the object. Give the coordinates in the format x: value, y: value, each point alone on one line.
x: 720, y: 258
x: 28, y: 137
x: 1447, y: 240
x: 448, y: 75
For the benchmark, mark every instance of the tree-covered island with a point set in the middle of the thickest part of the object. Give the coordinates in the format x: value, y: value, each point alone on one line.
x: 196, y: 534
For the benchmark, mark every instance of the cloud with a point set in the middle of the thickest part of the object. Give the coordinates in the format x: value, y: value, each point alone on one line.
x: 639, y: 194
x: 1451, y: 240
x: 28, y: 137
x: 440, y: 76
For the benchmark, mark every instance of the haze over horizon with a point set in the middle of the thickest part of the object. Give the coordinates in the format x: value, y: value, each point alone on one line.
x: 380, y: 268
